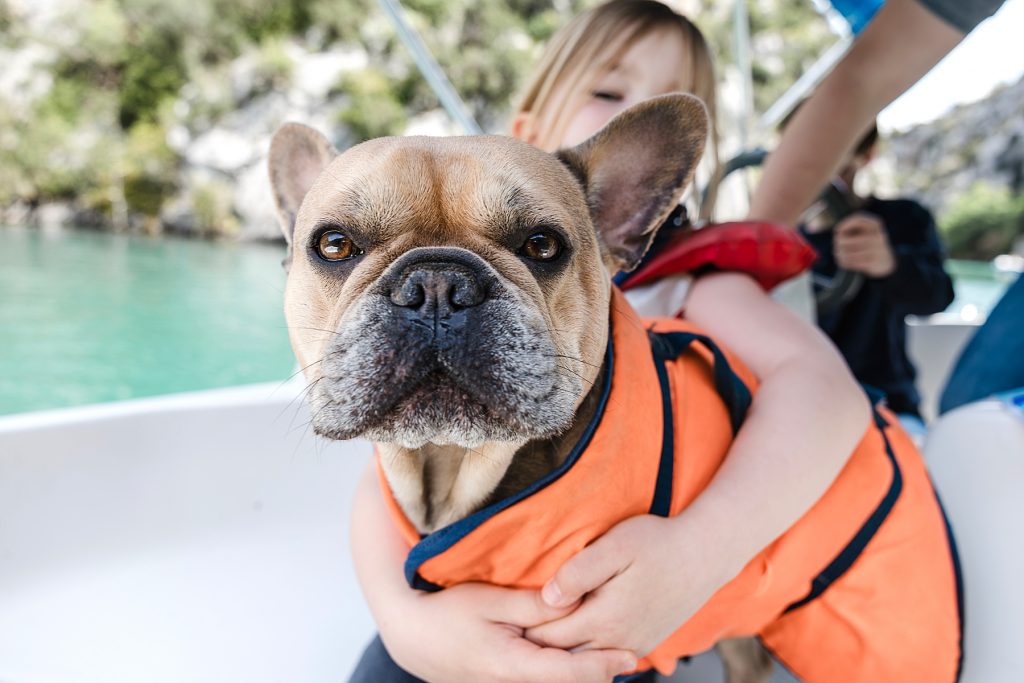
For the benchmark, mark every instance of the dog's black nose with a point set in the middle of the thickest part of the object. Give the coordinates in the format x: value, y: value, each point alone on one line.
x: 436, y: 290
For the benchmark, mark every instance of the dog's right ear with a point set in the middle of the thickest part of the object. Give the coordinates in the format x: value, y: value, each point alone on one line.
x: 298, y: 154
x: 634, y: 170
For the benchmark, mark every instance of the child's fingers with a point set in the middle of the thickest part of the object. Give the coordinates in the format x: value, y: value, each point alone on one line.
x: 572, y: 633
x: 586, y: 570
x: 856, y: 224
x: 525, y: 608
x: 592, y: 666
x: 593, y: 626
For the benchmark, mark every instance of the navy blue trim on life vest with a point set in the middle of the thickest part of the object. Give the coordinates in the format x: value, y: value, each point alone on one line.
x: 648, y: 676
x: 667, y: 346
x: 733, y: 390
x: 661, y: 504
x: 845, y: 559
x: 954, y: 556
x: 875, y: 395
x: 441, y: 540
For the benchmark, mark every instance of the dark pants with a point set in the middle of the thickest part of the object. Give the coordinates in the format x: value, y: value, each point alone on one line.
x: 376, y: 666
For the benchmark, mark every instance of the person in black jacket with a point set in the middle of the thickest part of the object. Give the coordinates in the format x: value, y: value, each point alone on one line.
x: 894, y: 244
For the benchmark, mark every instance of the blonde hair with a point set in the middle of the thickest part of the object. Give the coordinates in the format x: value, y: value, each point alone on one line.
x: 589, y: 44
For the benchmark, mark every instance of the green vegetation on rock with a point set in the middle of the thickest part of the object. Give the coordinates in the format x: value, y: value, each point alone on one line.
x: 375, y: 108
x: 983, y: 222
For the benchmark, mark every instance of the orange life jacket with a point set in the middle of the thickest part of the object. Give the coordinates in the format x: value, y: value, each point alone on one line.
x: 863, y: 588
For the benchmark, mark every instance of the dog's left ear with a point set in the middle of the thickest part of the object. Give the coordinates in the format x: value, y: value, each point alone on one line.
x: 298, y: 154
x: 634, y: 171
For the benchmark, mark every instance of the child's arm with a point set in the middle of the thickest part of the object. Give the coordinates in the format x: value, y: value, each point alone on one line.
x: 471, y: 632
x: 805, y: 421
x: 900, y: 45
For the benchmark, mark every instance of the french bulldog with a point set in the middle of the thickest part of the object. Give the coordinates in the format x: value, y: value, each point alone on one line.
x: 449, y: 297
x: 450, y: 300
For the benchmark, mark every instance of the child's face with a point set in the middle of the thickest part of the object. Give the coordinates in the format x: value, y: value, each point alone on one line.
x: 650, y: 67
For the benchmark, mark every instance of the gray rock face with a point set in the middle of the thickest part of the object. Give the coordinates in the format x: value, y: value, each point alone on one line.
x: 982, y: 141
x: 254, y: 204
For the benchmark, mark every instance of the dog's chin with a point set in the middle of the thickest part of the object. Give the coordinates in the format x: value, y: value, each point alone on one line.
x: 438, y: 412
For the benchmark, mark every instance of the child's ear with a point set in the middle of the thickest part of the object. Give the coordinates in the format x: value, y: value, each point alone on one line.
x: 524, y: 127
x: 635, y: 169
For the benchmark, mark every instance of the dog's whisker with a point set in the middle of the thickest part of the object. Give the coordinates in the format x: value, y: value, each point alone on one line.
x: 588, y: 382
x: 314, y: 329
x: 573, y: 358
x: 481, y: 455
x: 302, y: 400
x: 298, y: 398
x: 301, y: 370
x: 313, y: 418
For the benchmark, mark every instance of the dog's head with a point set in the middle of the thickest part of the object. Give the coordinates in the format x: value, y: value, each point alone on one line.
x: 455, y: 290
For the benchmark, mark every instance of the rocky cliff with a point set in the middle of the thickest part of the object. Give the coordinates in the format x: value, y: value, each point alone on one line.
x: 981, y: 142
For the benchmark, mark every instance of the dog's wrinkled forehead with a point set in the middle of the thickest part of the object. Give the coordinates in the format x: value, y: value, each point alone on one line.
x: 444, y: 190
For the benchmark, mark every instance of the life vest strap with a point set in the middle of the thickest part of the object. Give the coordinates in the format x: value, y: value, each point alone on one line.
x: 665, y: 347
x: 845, y: 559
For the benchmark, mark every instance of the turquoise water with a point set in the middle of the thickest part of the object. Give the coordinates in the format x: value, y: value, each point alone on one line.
x: 978, y: 287
x: 89, y: 317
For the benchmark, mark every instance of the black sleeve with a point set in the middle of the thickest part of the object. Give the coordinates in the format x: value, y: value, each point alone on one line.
x: 919, y: 285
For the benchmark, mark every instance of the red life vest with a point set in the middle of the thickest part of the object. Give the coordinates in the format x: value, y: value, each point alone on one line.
x: 863, y: 588
x: 768, y: 252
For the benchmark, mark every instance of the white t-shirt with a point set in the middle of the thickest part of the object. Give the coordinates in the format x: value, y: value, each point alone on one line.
x: 666, y: 298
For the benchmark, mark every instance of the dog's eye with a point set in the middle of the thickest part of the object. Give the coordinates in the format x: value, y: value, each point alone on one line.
x: 336, y: 246
x: 541, y: 246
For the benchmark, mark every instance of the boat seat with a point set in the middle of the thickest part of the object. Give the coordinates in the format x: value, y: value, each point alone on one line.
x: 976, y: 456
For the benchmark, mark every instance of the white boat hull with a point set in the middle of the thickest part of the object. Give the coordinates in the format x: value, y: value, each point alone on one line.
x: 190, y: 539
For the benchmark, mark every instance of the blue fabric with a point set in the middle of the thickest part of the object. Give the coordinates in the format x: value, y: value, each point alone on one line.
x: 667, y: 346
x: 870, y: 329
x: 661, y: 504
x: 1014, y: 400
x: 649, y: 676
x: 993, y: 361
x: 376, y: 666
x: 857, y: 12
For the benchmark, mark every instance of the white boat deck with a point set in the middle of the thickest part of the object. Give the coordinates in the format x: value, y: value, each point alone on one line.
x: 202, y: 538
x: 188, y: 539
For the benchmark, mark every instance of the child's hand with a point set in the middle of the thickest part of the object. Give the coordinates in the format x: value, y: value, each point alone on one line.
x: 861, y: 244
x: 642, y: 580
x: 474, y: 632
